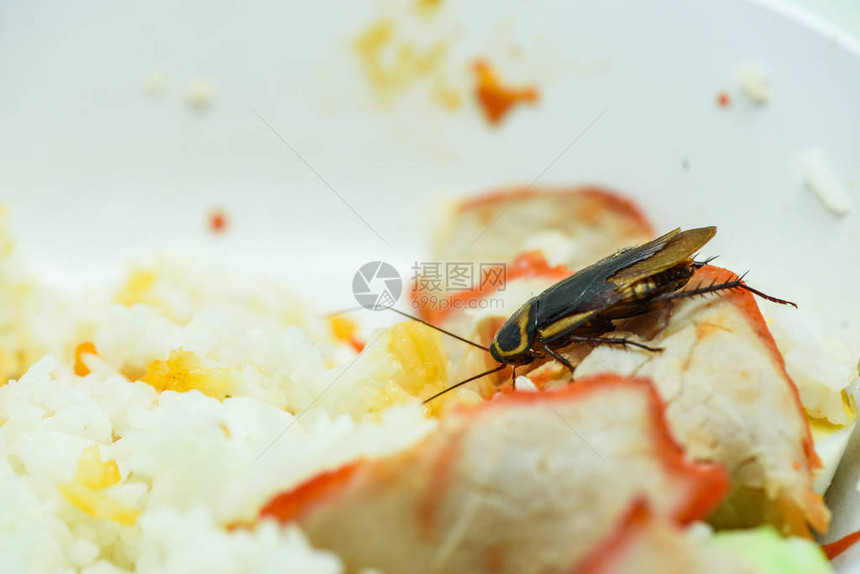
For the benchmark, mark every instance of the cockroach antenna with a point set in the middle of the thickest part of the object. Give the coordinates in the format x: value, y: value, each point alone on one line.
x: 469, y: 380
x: 440, y: 329
x: 412, y: 317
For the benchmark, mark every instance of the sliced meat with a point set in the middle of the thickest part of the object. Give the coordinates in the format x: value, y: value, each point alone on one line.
x: 642, y: 543
x: 528, y: 482
x: 574, y: 226
x: 728, y: 400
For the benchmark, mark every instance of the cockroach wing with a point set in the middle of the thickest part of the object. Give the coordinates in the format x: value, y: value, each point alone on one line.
x: 664, y: 253
x: 523, y: 484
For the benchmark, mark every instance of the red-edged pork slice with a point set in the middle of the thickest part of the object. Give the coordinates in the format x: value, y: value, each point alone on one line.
x: 479, y: 241
x: 728, y: 400
x: 525, y: 483
x: 642, y: 543
x: 574, y: 226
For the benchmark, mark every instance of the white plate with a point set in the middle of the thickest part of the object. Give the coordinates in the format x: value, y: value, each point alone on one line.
x: 97, y: 171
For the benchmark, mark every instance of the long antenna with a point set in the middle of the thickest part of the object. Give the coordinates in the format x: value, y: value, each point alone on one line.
x: 461, y: 383
x: 408, y: 316
x: 440, y: 329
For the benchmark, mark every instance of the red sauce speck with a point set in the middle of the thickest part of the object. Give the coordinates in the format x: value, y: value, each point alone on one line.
x: 292, y: 504
x: 357, y: 344
x: 834, y: 549
x: 724, y: 100
x: 495, y: 99
x: 217, y: 221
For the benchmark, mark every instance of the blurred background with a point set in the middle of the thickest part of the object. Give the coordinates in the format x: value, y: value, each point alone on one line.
x: 304, y: 139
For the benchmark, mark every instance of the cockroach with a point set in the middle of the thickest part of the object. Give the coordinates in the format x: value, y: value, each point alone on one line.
x: 582, y: 307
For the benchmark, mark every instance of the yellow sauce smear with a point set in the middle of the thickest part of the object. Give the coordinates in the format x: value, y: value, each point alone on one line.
x: 392, y: 65
x: 183, y: 371
x: 821, y: 428
x: 81, y: 369
x: 135, y: 288
x: 342, y: 328
x: 420, y: 351
x: 84, y: 490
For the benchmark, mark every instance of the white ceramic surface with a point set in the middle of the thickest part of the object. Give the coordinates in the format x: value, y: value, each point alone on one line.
x: 97, y: 171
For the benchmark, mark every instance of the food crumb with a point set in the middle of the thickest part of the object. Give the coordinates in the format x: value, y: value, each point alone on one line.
x: 154, y: 84
x: 495, y: 99
x: 218, y: 221
x: 822, y: 180
x: 523, y: 383
x: 754, y: 81
x: 81, y: 369
x: 392, y: 64
x: 199, y: 94
x: 447, y: 95
x: 427, y: 7
x: 724, y: 100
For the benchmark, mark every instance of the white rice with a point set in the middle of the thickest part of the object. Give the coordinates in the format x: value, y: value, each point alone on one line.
x: 820, y: 365
x: 177, y: 463
x: 190, y: 463
x: 822, y: 180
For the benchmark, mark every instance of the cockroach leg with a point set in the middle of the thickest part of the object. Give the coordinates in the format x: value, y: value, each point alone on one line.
x: 622, y: 341
x: 726, y: 286
x: 700, y: 264
x: 558, y: 358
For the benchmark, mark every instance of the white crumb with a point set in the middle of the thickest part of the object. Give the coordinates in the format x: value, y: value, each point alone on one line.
x: 199, y: 94
x: 154, y: 84
x: 523, y: 383
x: 754, y: 81
x: 821, y: 179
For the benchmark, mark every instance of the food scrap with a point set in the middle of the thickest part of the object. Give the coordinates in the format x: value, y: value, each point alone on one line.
x: 837, y: 547
x: 345, y: 330
x: 218, y: 221
x: 85, y: 348
x: 483, y: 468
x: 184, y: 371
x: 199, y: 94
x: 754, y: 81
x: 429, y: 6
x: 724, y: 100
x: 822, y: 180
x: 85, y: 490
x: 154, y: 84
x: 393, y: 64
x: 497, y: 100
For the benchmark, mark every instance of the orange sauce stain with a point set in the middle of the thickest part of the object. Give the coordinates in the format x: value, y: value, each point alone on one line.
x: 497, y: 100
x: 836, y: 548
x: 292, y: 504
x: 357, y: 344
x: 88, y: 348
x: 724, y: 100
x: 217, y: 221
x: 345, y: 330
